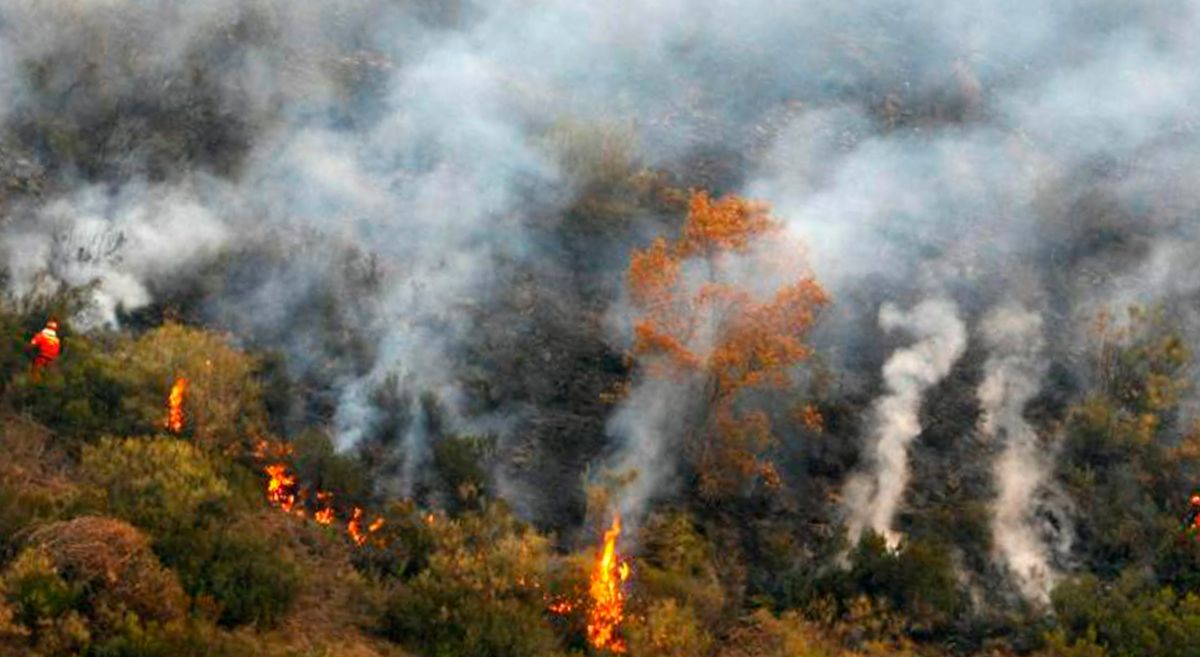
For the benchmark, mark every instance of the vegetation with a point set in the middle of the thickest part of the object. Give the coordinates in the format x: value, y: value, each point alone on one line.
x: 119, y: 537
x: 707, y: 324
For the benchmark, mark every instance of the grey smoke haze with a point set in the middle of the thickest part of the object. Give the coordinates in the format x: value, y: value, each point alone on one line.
x: 873, y: 496
x: 649, y: 427
x: 1014, y: 371
x: 921, y: 146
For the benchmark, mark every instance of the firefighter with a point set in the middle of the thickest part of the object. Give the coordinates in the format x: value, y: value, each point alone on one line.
x: 46, y: 345
x: 1191, y: 520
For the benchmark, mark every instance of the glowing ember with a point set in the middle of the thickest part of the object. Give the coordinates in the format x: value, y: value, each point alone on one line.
x: 324, y: 515
x: 607, y: 594
x: 375, y: 526
x: 281, y: 487
x: 174, y: 421
x: 561, y: 607
x: 354, y: 527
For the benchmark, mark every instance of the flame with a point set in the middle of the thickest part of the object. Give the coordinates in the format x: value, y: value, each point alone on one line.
x: 174, y: 421
x: 607, y: 594
x: 324, y: 515
x: 281, y: 487
x: 284, y: 493
x: 354, y: 527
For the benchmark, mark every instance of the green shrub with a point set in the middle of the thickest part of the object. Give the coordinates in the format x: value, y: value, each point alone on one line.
x: 668, y: 629
x: 318, y: 464
x: 248, y: 575
x: 916, y: 579
x: 1130, y: 616
x: 459, y: 461
x: 481, y: 593
x: 678, y: 562
x: 36, y: 591
x: 79, y: 397
x: 165, y: 485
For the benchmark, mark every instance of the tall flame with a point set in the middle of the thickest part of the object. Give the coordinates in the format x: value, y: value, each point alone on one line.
x: 607, y: 593
x: 174, y: 421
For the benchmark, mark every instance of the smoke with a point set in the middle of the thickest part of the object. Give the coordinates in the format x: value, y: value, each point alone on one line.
x: 379, y: 172
x: 1015, y: 368
x: 650, y: 425
x: 114, y: 242
x: 873, y: 496
x: 426, y: 173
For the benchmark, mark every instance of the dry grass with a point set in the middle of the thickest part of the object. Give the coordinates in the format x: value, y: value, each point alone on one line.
x: 334, y: 600
x: 114, y: 559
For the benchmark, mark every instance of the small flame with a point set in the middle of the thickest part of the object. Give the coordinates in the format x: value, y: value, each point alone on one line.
x: 174, y: 421
x: 281, y: 487
x: 375, y: 525
x: 561, y: 607
x: 324, y: 515
x: 607, y: 593
x: 354, y: 527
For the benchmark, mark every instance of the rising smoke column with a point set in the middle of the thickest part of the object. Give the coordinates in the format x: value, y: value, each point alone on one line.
x: 1014, y: 372
x: 872, y: 496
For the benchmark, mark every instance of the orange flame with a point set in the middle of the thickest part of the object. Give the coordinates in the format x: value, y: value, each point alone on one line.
x: 608, y: 594
x: 281, y: 487
x: 324, y: 515
x: 174, y: 421
x: 354, y: 527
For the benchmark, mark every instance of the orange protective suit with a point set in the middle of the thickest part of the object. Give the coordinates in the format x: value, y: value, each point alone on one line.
x: 48, y: 346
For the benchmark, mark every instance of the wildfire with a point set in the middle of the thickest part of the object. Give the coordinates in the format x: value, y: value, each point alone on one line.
x: 287, y: 494
x: 281, y: 487
x: 607, y: 593
x: 174, y: 421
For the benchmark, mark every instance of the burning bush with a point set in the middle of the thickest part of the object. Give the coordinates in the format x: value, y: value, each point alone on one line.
x: 224, y: 397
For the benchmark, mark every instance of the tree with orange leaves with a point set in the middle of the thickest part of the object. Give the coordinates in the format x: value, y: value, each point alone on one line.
x: 729, y: 303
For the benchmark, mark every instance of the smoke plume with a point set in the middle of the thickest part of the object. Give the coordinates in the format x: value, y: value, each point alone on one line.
x: 873, y: 496
x: 1015, y: 368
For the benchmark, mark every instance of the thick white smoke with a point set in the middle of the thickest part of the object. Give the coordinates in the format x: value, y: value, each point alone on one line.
x: 649, y: 425
x: 872, y: 496
x: 1014, y: 371
x: 115, y: 242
